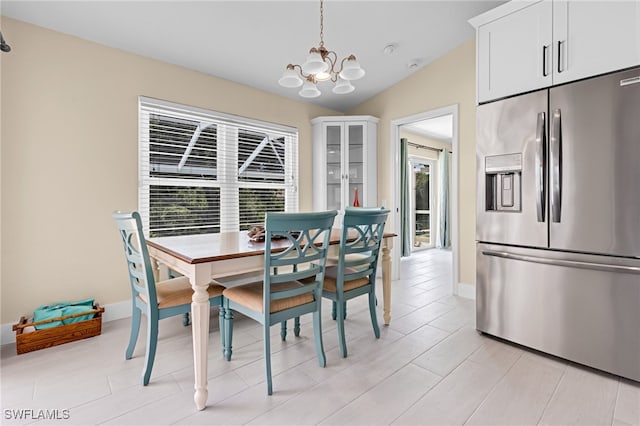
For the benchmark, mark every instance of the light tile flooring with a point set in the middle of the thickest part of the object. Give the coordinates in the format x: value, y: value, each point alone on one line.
x: 429, y: 366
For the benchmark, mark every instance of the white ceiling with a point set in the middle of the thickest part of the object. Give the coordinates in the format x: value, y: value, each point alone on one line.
x: 251, y: 42
x: 440, y: 128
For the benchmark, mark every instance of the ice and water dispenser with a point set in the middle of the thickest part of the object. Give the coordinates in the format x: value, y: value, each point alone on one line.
x: 503, y: 182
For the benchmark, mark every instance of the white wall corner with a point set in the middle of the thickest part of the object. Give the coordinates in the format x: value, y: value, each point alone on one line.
x: 112, y: 312
x: 468, y: 291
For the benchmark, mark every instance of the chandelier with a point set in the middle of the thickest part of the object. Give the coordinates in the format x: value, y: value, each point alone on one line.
x: 322, y: 65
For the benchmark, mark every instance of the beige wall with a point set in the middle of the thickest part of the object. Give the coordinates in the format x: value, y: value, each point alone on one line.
x: 69, y: 158
x: 69, y: 153
x: 447, y: 81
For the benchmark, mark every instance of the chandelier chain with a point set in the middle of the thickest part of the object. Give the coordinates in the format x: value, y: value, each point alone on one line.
x: 321, y: 23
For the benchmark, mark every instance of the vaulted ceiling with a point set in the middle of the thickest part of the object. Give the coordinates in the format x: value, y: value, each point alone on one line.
x: 251, y: 42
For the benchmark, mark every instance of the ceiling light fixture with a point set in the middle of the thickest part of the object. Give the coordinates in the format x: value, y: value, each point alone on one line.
x: 321, y: 65
x: 413, y: 64
x: 390, y: 48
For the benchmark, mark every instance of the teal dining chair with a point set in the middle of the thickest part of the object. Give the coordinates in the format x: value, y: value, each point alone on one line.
x: 355, y: 273
x: 155, y: 300
x: 291, y: 283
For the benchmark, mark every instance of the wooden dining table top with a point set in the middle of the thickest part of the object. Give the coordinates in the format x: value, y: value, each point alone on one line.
x: 203, y: 248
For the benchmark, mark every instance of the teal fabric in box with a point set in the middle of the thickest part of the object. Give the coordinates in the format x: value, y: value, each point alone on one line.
x: 61, y: 309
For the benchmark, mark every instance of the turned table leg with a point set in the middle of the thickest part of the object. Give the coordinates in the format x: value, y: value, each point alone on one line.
x: 386, y: 278
x: 200, y: 330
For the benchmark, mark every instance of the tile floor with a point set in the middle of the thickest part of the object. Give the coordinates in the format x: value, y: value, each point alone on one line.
x: 429, y: 367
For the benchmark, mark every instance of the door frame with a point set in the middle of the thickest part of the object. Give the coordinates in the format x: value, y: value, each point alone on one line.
x: 453, y: 197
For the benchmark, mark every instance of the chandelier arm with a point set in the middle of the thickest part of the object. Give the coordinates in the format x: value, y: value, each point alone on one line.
x: 348, y: 58
x: 332, y: 61
x: 341, y: 66
x: 294, y: 66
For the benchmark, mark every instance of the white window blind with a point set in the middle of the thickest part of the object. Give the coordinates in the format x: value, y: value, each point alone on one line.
x: 204, y: 172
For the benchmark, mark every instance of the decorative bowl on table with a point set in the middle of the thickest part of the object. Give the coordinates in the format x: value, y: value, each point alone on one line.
x: 257, y: 233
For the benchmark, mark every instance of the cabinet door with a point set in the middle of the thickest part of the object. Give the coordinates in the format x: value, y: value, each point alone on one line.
x: 333, y: 139
x: 594, y: 37
x: 344, y: 160
x: 514, y: 52
x: 354, y: 161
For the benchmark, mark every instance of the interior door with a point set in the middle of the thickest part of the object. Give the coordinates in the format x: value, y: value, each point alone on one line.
x: 595, y: 130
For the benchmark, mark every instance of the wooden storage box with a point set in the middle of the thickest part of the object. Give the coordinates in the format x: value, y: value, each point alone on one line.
x: 45, y: 338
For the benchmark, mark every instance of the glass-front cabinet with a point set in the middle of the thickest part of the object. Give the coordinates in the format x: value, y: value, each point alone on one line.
x: 344, y: 162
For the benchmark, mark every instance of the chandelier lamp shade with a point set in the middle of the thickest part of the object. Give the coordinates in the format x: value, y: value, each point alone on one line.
x: 322, y: 65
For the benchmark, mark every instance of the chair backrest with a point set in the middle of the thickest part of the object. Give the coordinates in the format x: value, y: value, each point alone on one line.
x: 362, y: 232
x: 304, y: 259
x: 137, y: 256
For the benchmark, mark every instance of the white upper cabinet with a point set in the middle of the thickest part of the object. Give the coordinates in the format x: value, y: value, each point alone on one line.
x: 594, y: 37
x: 514, y: 52
x: 528, y: 45
x: 344, y: 162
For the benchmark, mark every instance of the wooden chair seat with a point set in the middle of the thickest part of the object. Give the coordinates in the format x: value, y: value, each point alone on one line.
x: 333, y: 260
x: 178, y: 291
x: 250, y: 295
x: 331, y: 280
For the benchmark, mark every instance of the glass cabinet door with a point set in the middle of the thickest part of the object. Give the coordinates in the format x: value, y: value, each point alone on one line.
x: 355, y: 164
x: 344, y: 162
x: 333, y: 140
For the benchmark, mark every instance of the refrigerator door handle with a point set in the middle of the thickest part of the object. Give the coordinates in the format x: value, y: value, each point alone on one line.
x: 556, y: 166
x: 540, y: 162
x: 564, y: 262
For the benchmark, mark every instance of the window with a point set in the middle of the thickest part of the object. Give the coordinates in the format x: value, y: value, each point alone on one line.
x: 206, y: 172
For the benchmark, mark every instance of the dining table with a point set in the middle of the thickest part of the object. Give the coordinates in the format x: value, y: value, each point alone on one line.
x: 230, y: 255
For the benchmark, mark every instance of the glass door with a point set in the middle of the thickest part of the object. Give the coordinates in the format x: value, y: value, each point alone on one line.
x: 423, y: 193
x: 334, y: 166
x: 355, y: 164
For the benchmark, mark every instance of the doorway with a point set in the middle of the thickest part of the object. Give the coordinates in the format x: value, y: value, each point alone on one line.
x: 397, y: 128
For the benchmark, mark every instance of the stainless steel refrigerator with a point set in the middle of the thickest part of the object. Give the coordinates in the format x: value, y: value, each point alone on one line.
x: 558, y: 221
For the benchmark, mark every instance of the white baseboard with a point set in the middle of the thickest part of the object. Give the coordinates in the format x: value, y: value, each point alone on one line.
x: 112, y: 312
x: 116, y: 311
x: 468, y: 291
x: 6, y: 334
